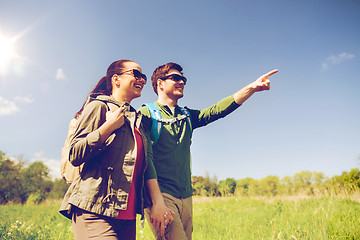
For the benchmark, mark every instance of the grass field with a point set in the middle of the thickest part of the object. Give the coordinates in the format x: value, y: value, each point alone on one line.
x: 214, y: 218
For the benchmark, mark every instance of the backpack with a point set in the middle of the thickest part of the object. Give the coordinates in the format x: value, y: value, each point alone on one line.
x: 69, y: 172
x: 157, y: 120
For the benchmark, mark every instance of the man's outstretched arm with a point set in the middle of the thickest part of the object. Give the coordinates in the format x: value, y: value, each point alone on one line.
x: 261, y: 84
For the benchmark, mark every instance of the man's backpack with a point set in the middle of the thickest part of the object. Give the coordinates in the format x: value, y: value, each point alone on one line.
x: 157, y: 120
x: 69, y: 172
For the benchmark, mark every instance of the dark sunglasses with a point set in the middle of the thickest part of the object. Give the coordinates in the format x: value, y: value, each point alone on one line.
x: 137, y: 74
x: 175, y: 77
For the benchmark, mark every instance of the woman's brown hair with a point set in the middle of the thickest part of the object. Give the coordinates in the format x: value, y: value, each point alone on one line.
x: 104, y: 85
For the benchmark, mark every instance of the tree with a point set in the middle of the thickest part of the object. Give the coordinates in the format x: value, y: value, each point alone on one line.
x: 302, y: 180
x: 242, y: 186
x: 335, y: 184
x: 353, y: 178
x: 197, y: 184
x: 318, y: 178
x: 10, y: 180
x: 205, y: 186
x: 288, y: 185
x: 227, y: 187
x: 270, y: 185
x: 255, y: 188
x: 221, y: 188
x: 59, y: 189
x: 36, y: 181
x: 211, y: 185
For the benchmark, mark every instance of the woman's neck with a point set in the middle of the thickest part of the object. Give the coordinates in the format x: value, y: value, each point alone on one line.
x: 120, y: 98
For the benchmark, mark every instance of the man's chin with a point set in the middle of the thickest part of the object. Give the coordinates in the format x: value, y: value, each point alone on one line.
x: 180, y: 95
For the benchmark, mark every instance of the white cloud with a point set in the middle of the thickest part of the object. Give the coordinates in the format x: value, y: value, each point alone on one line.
x: 333, y: 60
x: 52, y: 164
x: 340, y: 58
x: 60, y: 75
x: 7, y: 107
x: 25, y: 99
x: 324, y: 66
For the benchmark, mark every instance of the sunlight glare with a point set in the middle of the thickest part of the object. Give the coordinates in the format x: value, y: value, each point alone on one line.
x: 7, y: 52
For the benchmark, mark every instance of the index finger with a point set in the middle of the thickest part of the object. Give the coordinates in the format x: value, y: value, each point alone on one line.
x: 270, y: 73
x: 162, y: 229
x: 120, y: 109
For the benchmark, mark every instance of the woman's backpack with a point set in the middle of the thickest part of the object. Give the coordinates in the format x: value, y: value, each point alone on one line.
x: 68, y: 171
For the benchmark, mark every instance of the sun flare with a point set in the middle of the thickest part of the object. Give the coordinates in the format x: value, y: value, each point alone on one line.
x: 7, y: 52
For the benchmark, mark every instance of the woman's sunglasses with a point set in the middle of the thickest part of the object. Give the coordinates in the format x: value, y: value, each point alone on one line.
x: 137, y: 74
x: 175, y: 77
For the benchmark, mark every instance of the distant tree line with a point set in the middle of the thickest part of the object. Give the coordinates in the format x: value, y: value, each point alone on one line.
x: 303, y: 183
x: 32, y: 184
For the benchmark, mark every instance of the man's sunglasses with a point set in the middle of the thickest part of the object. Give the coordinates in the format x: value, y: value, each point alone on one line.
x: 136, y: 73
x: 175, y: 77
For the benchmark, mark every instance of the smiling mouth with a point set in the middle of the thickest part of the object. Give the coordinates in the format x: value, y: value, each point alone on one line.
x: 138, y: 86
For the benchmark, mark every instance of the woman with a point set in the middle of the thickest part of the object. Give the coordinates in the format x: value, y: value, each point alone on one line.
x: 116, y: 159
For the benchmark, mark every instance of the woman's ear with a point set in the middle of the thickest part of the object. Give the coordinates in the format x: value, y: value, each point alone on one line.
x: 115, y: 79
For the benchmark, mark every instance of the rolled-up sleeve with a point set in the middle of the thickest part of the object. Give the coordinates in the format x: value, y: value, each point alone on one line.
x: 150, y: 172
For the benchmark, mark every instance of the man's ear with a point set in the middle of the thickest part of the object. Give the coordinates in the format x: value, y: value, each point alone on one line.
x: 160, y: 84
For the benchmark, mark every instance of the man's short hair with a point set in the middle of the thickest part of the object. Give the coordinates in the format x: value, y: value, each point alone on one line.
x: 162, y: 71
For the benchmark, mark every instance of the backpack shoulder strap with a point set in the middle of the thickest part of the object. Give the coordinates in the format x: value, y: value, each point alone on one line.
x: 106, y: 103
x: 156, y: 123
x: 186, y: 112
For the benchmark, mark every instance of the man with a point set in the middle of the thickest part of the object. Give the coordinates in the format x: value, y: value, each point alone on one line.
x: 172, y: 149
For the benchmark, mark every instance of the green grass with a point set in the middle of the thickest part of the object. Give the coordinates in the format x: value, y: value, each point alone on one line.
x: 233, y: 218
x: 33, y: 222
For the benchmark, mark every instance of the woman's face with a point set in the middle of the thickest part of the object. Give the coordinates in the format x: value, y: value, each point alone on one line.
x: 130, y: 81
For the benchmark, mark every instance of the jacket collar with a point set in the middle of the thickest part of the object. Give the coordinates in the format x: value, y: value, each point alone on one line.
x: 130, y: 113
x: 111, y: 99
x: 167, y: 108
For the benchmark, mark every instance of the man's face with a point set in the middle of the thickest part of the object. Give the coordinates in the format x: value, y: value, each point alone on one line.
x: 171, y: 88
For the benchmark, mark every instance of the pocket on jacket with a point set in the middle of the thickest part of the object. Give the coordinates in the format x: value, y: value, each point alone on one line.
x: 128, y: 165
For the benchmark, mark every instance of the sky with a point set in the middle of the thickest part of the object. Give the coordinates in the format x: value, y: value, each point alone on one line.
x: 52, y: 53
